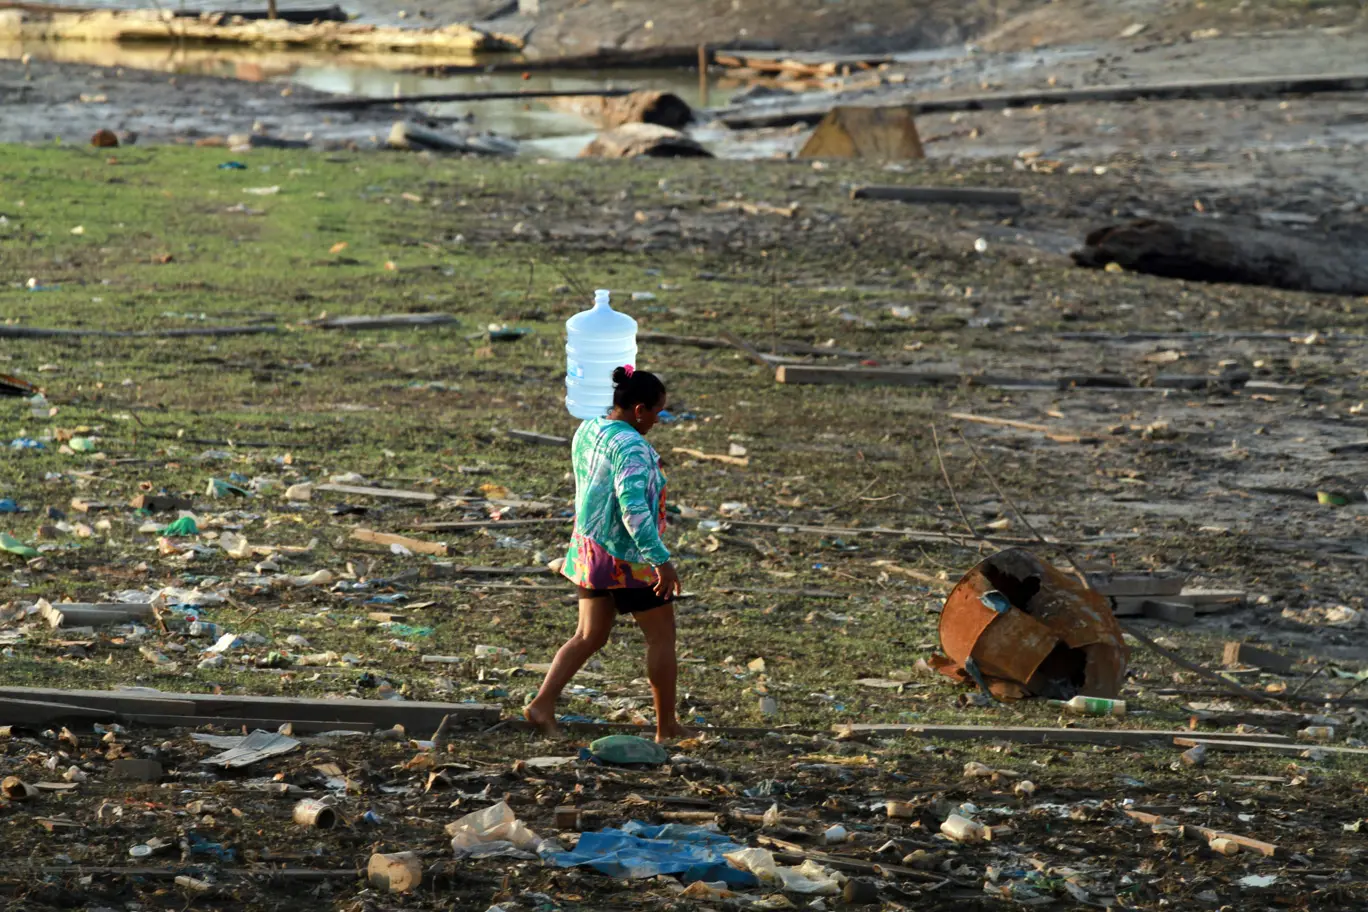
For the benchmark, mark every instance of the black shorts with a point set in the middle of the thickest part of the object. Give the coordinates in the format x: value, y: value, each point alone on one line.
x: 627, y: 601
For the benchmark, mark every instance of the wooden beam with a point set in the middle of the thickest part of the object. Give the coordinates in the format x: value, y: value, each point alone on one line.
x: 487, y: 524
x: 813, y: 374
x: 810, y: 112
x: 389, y: 493
x: 1267, y: 743
x: 974, y: 196
x: 1051, y: 433
x: 1245, y: 654
x: 415, y: 715
x: 416, y: 545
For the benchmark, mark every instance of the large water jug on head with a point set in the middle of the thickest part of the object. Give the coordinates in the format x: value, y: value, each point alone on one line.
x: 596, y: 341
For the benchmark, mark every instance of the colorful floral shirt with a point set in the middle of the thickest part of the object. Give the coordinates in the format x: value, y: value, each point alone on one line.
x: 619, y: 508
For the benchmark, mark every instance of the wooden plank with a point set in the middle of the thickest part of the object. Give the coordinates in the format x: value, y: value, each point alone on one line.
x: 1131, y: 584
x: 417, y: 546
x: 974, y: 196
x: 299, y: 726
x: 1245, y: 654
x: 793, y: 348
x: 15, y: 711
x: 534, y: 437
x: 488, y: 524
x: 390, y: 493
x: 814, y: 374
x: 1203, y: 601
x: 912, y: 534
x: 416, y: 715
x: 1026, y: 734
x: 1282, y: 747
x: 440, y: 571
x: 114, y: 701
x: 1170, y: 612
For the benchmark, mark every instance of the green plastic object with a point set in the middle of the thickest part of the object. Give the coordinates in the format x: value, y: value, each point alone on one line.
x: 1331, y: 499
x: 628, y: 749
x: 182, y: 527
x: 15, y: 546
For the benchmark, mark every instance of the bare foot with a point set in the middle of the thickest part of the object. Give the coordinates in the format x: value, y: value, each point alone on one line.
x: 666, y: 734
x: 546, y: 721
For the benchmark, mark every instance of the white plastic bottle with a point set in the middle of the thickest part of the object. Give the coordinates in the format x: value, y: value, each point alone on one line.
x: 596, y: 342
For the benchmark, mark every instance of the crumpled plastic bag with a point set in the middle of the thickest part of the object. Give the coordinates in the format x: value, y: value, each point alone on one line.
x: 640, y: 850
x: 486, y: 828
x: 809, y: 878
x: 627, y: 750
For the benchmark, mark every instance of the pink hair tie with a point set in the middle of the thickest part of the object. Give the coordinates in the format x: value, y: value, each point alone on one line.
x: 628, y: 370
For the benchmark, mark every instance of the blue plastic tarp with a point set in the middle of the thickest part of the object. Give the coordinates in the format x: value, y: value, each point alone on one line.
x: 641, y: 850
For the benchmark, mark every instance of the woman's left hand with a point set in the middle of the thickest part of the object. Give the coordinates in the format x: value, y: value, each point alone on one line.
x: 667, y: 581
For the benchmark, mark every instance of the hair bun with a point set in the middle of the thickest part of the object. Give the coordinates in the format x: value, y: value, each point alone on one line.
x: 619, y: 375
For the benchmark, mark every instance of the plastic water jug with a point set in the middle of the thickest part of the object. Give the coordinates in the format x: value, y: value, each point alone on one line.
x: 597, y: 341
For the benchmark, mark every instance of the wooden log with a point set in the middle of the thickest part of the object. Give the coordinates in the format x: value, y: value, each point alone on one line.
x: 1201, y: 251
x: 387, y: 493
x: 1258, y: 847
x: 795, y: 373
x: 972, y: 196
x: 884, y: 134
x: 634, y: 140
x: 1245, y: 654
x: 811, y: 111
x: 410, y: 136
x: 609, y: 110
x: 1137, y: 583
x: 416, y: 545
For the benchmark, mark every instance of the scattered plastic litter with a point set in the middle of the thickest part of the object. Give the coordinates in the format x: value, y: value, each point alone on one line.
x: 640, y: 850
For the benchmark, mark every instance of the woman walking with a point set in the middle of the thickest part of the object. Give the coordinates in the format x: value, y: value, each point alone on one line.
x: 616, y: 557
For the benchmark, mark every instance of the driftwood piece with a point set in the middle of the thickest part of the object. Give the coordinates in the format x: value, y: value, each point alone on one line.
x: 973, y: 196
x: 609, y: 110
x: 635, y: 140
x: 877, y: 134
x: 387, y: 321
x: 410, y: 136
x: 1204, y: 252
x: 34, y: 332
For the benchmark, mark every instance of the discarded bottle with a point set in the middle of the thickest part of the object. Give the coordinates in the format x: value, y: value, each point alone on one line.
x: 597, y: 341
x: 39, y: 407
x: 1093, y: 706
x: 962, y: 829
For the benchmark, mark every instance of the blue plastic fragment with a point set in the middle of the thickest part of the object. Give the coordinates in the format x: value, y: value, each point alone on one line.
x: 232, y: 166
x: 8, y: 506
x: 640, y: 850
